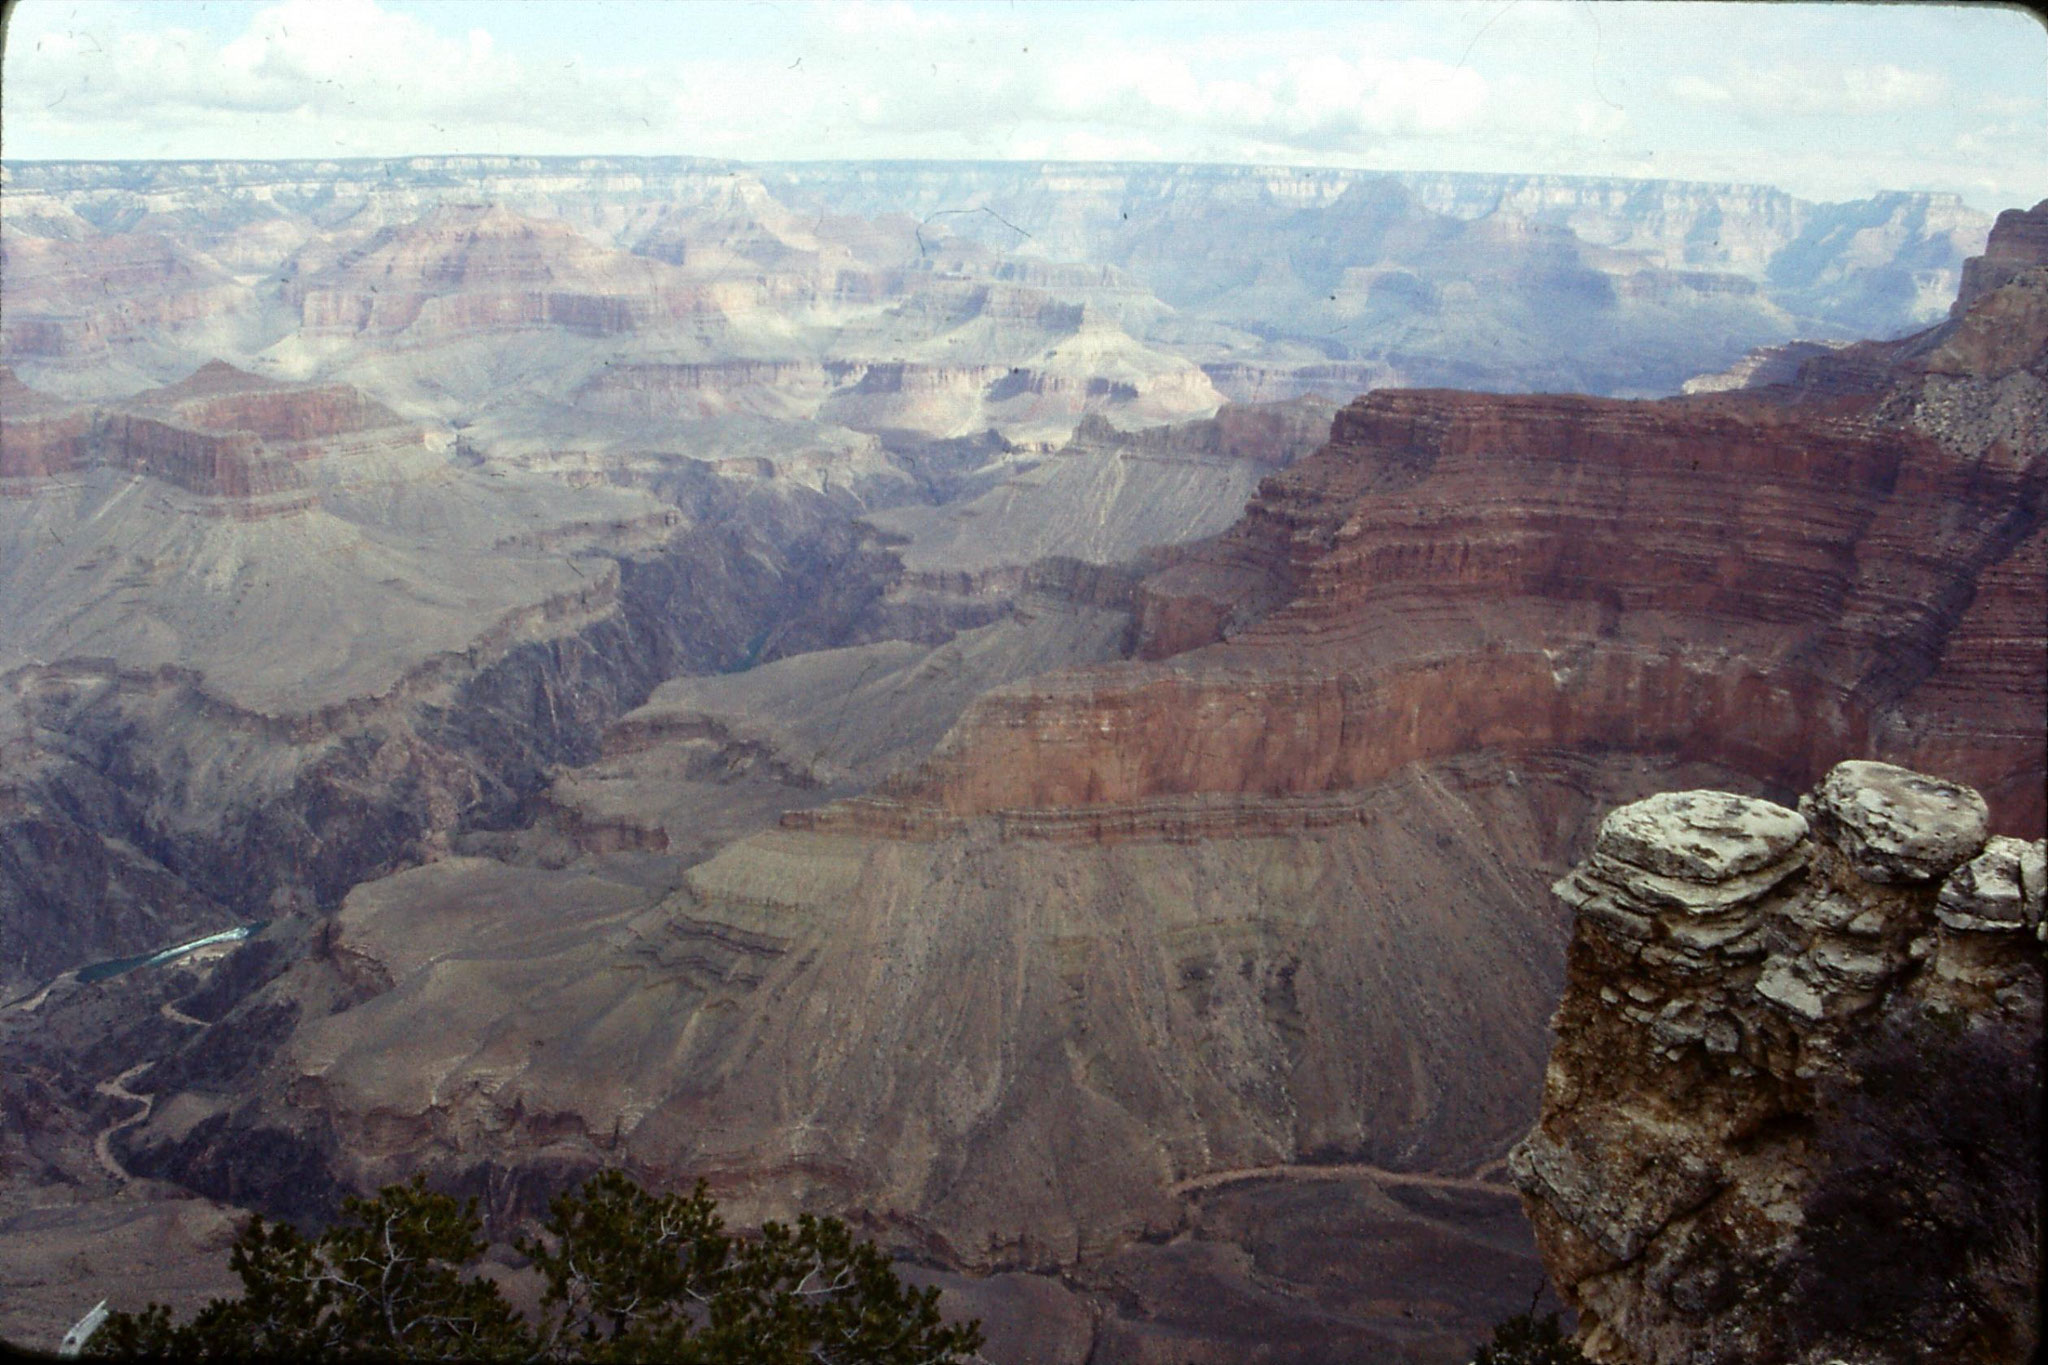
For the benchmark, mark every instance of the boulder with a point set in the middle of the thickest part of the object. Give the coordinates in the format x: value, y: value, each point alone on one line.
x: 1999, y: 889
x: 1894, y: 825
x: 1705, y: 837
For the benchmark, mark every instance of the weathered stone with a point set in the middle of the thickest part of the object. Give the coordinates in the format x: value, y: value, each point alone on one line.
x: 1781, y: 984
x: 1705, y: 837
x: 1850, y: 967
x: 1895, y: 825
x: 1818, y: 908
x: 1999, y: 889
x: 1598, y: 901
x: 1656, y: 892
x: 1685, y: 1173
x: 1724, y: 936
x: 1620, y: 1216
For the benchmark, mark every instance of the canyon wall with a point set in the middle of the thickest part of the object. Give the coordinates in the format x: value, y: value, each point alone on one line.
x: 1764, y: 580
x: 1137, y: 953
x: 221, y: 434
x: 353, y: 646
x: 1740, y: 586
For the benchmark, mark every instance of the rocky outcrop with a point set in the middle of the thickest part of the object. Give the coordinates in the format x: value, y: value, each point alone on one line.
x: 1791, y: 1113
x: 2019, y: 242
x: 41, y: 436
x: 1764, y: 365
x: 1997, y: 330
x: 218, y: 397
x: 221, y: 433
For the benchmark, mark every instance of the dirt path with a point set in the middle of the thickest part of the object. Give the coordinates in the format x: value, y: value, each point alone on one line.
x: 178, y: 1016
x: 103, y: 1145
x: 1216, y: 1179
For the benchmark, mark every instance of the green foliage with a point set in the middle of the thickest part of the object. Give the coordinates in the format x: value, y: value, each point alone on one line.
x: 629, y: 1276
x: 1526, y: 1339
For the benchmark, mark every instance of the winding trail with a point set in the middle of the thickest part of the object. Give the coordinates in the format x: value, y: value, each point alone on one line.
x: 103, y: 1145
x: 1216, y: 1179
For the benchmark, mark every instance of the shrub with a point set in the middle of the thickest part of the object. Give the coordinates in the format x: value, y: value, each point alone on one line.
x: 629, y: 1275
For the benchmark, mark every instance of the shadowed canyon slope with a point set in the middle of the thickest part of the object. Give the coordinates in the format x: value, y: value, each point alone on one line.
x: 848, y: 779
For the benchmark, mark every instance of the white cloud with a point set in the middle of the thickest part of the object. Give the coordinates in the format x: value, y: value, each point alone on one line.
x: 1821, y: 99
x: 349, y: 73
x: 1807, y: 92
x: 1315, y: 102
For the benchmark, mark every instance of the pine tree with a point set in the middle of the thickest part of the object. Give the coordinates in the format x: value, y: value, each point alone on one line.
x: 630, y: 1276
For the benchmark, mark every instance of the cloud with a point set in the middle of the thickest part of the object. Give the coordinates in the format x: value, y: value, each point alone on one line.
x: 1318, y: 101
x: 343, y: 75
x: 1816, y: 98
x: 1808, y: 92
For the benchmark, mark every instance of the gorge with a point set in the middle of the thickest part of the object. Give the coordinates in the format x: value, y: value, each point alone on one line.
x: 969, y: 722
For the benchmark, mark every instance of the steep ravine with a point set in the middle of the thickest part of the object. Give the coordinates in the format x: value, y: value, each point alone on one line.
x: 153, y: 808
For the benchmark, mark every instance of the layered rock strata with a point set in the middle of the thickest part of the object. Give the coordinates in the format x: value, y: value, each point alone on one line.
x: 41, y: 436
x: 238, y: 440
x: 74, y: 300
x: 466, y: 268
x: 262, y: 639
x: 1771, y: 580
x: 1284, y: 280
x: 1792, y: 1110
x: 1458, y: 571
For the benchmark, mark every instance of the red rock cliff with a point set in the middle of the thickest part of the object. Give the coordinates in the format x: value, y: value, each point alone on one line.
x: 1765, y: 581
x: 220, y: 433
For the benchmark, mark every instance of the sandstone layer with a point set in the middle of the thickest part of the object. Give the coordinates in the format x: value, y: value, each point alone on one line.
x: 1792, y: 1113
x: 1771, y: 580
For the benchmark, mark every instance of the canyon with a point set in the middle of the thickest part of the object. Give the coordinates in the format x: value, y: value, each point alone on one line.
x: 762, y: 674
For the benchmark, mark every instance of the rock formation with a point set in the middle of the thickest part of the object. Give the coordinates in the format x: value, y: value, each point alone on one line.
x: 220, y: 433
x: 260, y: 639
x: 43, y: 436
x: 1767, y: 579
x: 472, y: 267
x: 72, y: 300
x: 1281, y: 281
x: 1792, y: 1113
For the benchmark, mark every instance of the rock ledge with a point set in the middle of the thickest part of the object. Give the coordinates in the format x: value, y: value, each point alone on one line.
x: 1776, y: 1027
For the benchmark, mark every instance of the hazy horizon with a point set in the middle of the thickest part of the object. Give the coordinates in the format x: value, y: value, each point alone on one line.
x: 1823, y: 101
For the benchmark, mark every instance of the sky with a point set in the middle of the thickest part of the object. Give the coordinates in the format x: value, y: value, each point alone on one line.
x: 1828, y: 101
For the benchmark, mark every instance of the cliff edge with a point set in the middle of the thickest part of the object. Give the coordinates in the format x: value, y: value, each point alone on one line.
x: 1792, y: 1112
